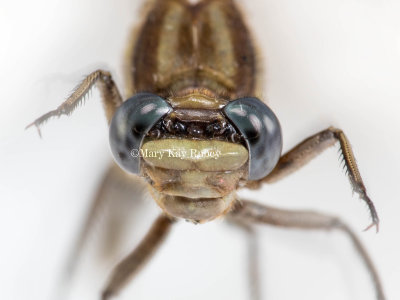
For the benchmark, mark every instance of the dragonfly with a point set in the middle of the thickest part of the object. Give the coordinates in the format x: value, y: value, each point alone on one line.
x: 192, y: 129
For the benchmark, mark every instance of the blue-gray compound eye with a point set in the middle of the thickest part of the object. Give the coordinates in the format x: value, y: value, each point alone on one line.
x: 130, y: 124
x: 261, y: 131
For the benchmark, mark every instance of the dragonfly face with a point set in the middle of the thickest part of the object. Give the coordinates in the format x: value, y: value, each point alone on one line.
x: 195, y: 150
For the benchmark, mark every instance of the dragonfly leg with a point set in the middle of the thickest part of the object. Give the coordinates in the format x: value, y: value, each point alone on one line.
x: 311, y: 147
x: 129, y: 266
x: 109, y: 92
x: 117, y: 191
x: 252, y: 244
x: 248, y: 211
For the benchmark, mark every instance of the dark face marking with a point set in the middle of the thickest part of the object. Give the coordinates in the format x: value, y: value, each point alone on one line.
x: 191, y: 124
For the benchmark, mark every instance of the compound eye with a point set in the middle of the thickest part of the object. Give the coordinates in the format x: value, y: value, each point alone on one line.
x: 130, y: 124
x: 262, y: 132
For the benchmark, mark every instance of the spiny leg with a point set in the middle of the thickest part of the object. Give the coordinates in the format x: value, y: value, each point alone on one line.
x: 253, y: 256
x: 129, y: 266
x: 256, y: 213
x: 309, y: 149
x: 109, y: 91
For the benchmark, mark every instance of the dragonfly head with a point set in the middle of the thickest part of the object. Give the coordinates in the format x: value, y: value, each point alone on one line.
x: 195, y: 148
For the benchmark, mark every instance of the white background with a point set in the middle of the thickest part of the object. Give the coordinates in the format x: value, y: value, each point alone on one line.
x: 327, y: 62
